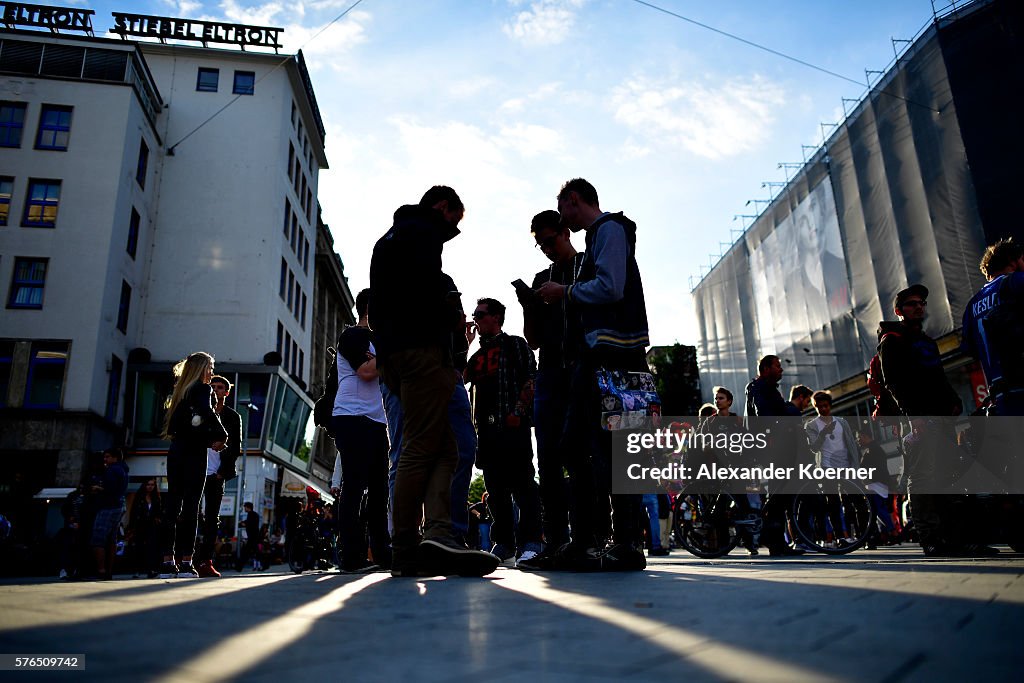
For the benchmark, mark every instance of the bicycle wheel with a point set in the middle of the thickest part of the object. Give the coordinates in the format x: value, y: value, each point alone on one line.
x: 300, y: 552
x: 834, y: 518
x: 705, y: 524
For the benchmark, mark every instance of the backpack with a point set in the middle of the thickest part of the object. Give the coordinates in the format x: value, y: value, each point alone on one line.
x: 323, y: 409
x: 885, y: 404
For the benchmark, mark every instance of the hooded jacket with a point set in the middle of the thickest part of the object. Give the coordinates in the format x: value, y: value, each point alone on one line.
x: 912, y: 372
x: 609, y: 293
x: 407, y: 306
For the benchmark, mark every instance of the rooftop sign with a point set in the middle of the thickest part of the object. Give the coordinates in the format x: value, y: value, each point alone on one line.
x: 56, y: 19
x: 148, y: 26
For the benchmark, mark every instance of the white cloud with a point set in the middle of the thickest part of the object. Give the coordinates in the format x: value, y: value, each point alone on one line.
x: 471, y: 87
x: 547, y: 22
x: 531, y: 140
x: 183, y: 8
x: 711, y: 121
x: 258, y: 15
x: 517, y: 104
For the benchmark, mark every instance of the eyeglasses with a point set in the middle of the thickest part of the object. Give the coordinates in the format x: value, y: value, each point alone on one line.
x: 914, y: 302
x: 546, y: 243
x: 479, y: 314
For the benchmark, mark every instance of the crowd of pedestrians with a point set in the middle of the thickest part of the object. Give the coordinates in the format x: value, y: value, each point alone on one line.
x: 411, y: 413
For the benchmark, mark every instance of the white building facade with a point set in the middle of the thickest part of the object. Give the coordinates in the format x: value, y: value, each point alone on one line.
x: 156, y: 199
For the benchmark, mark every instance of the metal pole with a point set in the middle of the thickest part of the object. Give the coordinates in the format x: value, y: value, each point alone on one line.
x: 241, y: 484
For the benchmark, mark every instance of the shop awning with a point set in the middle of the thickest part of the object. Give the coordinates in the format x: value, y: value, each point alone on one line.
x: 294, y: 485
x: 54, y: 493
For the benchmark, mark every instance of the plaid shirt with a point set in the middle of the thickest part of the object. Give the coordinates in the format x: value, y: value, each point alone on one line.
x: 517, y: 369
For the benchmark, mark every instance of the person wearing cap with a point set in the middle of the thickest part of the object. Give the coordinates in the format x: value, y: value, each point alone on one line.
x: 912, y: 372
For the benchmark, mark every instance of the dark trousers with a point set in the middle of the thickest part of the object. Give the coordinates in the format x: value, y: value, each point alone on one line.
x: 213, y: 494
x: 186, y: 475
x: 363, y: 445
x: 506, y: 456
x: 424, y: 382
x: 550, y: 403
x: 588, y: 450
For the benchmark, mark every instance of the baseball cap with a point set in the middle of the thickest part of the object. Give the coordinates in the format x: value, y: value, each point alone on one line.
x: 912, y: 290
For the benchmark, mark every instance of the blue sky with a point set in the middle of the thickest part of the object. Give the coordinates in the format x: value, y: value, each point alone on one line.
x: 506, y: 99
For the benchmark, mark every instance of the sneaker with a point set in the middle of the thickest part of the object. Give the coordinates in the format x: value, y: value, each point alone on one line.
x: 443, y: 555
x: 546, y: 560
x: 187, y: 571
x: 657, y: 552
x: 63, y: 574
x: 623, y: 557
x: 531, y: 552
x: 502, y: 552
x: 208, y: 571
x: 168, y: 570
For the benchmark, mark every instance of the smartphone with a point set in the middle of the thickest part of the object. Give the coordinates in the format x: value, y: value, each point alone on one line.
x: 522, y: 288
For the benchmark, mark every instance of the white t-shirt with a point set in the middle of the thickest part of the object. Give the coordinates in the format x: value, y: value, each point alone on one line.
x: 212, y: 461
x: 356, y: 396
x: 833, y: 448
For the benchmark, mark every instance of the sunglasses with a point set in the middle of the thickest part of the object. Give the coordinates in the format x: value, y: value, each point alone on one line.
x: 546, y: 243
x: 914, y: 302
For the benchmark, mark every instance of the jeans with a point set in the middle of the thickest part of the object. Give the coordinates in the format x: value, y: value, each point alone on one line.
x: 424, y: 383
x: 363, y: 446
x: 550, y: 402
x: 186, y: 476
x: 506, y: 456
x: 650, y: 503
x: 213, y: 493
x: 588, y: 450
x: 460, y: 417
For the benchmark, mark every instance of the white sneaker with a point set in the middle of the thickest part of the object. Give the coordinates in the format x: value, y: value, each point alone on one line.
x: 526, y: 556
x: 63, y: 574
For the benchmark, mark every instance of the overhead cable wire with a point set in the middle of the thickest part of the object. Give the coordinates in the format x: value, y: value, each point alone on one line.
x: 783, y: 55
x: 170, y: 149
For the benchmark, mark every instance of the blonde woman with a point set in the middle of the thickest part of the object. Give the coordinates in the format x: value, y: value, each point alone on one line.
x: 192, y: 426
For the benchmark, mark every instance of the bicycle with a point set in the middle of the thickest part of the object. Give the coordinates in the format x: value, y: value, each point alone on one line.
x: 834, y: 517
x: 307, y: 548
x: 711, y: 525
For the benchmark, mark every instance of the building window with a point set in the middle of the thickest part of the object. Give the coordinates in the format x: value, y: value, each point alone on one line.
x: 123, y: 306
x: 284, y: 278
x: 295, y: 114
x: 295, y: 356
x: 28, y: 283
x: 6, y: 360
x: 54, y: 127
x: 6, y: 188
x: 133, y: 233
x: 114, y: 387
x: 305, y: 255
x: 245, y: 83
x: 302, y: 312
x: 291, y: 289
x: 287, y: 213
x: 280, y: 336
x: 302, y: 362
x: 46, y: 374
x: 140, y: 168
x: 287, y: 349
x: 207, y: 79
x: 12, y: 122
x: 41, y: 205
x: 292, y: 161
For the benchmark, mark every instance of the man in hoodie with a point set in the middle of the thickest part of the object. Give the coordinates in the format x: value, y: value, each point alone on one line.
x: 912, y: 372
x: 413, y: 324
x: 609, y: 296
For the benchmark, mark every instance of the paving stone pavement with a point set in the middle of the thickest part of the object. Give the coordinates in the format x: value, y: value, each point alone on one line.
x: 889, y: 615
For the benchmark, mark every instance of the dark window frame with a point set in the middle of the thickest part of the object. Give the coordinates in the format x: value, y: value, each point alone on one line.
x: 207, y: 86
x: 133, y: 233
x: 124, y: 307
x: 43, y: 203
x: 18, y: 284
x: 54, y: 129
x: 142, y: 167
x: 114, y: 387
x: 35, y: 362
x: 7, y: 128
x: 5, y: 199
x: 243, y: 89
